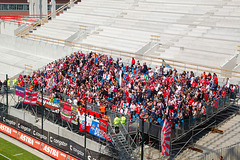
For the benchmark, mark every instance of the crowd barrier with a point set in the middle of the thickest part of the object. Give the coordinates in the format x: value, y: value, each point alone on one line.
x: 187, y: 124
x: 49, y: 143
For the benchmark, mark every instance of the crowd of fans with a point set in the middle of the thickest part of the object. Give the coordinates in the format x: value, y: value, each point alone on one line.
x: 136, y: 90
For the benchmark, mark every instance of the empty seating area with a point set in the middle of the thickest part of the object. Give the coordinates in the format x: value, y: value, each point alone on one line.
x: 200, y: 32
x: 214, y: 141
x: 13, y: 62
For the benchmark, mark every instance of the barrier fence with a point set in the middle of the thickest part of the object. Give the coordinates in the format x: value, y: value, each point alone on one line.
x: 184, y: 125
x: 60, y: 143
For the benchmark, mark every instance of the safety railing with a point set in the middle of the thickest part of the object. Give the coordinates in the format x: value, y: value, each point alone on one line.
x: 129, y: 55
x: 185, y: 125
x: 230, y: 152
x: 45, y: 20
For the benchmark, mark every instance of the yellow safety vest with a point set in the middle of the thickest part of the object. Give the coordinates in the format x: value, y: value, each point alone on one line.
x: 8, y: 83
x: 116, y: 121
x: 123, y: 120
x: 14, y: 82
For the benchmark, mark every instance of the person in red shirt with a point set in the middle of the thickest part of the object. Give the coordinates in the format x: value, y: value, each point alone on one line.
x: 133, y: 62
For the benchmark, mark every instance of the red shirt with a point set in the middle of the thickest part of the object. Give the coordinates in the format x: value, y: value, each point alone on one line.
x: 113, y: 107
x: 128, y: 99
x: 215, y: 80
x: 224, y: 93
x: 138, y: 109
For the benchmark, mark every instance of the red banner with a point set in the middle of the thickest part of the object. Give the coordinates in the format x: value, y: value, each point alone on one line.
x: 34, y: 143
x: 103, y: 125
x: 30, y: 97
x: 66, y: 113
x: 47, y: 102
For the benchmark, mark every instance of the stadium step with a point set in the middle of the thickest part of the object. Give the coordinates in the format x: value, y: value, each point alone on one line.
x: 123, y: 146
x: 209, y: 142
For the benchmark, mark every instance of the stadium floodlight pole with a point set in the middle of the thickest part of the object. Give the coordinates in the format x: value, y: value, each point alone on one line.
x: 6, y: 93
x: 85, y: 131
x: 42, y: 110
x: 142, y: 139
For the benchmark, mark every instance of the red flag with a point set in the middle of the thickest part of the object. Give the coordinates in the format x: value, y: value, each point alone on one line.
x: 165, y: 138
x: 103, y: 125
x: 30, y: 97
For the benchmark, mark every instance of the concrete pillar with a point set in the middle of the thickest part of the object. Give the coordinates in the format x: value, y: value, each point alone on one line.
x: 44, y: 7
x: 53, y: 8
x: 31, y: 6
x: 38, y: 7
x: 71, y: 3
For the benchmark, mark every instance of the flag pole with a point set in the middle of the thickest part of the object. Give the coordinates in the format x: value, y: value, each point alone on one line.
x: 142, y: 139
x: 42, y: 110
x: 7, y: 93
x: 85, y: 131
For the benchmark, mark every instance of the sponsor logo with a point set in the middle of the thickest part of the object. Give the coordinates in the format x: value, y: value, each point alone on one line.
x: 41, y: 147
x: 24, y: 128
x: 37, y: 134
x: 78, y: 152
x: 26, y: 139
x: 51, y: 151
x: 60, y: 143
x: 6, y: 129
x: 9, y: 121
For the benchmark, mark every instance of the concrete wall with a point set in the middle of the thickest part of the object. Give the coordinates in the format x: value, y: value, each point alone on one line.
x: 54, y: 128
x: 34, y: 47
x: 8, y: 28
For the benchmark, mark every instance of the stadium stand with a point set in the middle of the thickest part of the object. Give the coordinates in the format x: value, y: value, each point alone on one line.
x: 199, y: 28
x: 199, y: 35
x: 136, y: 91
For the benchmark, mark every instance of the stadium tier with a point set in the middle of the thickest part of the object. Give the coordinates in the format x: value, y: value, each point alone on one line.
x: 189, y: 30
x: 161, y: 73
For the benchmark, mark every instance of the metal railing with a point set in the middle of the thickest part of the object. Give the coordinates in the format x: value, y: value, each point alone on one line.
x: 129, y: 55
x: 44, y: 20
x: 231, y: 152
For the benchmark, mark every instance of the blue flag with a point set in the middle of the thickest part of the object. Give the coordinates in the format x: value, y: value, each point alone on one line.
x: 165, y: 64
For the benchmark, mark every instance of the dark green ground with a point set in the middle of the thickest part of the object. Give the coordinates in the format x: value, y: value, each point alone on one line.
x: 9, y: 150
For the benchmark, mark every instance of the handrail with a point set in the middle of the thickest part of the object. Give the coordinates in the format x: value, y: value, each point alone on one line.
x: 44, y: 20
x: 131, y: 54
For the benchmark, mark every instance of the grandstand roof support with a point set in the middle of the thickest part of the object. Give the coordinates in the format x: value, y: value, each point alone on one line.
x: 53, y: 8
x: 38, y: 7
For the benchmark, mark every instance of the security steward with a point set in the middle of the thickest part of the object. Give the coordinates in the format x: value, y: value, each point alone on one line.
x: 116, y: 124
x: 123, y: 120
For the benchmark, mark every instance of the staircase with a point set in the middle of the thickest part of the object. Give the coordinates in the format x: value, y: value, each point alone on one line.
x: 124, y: 144
x: 29, y: 29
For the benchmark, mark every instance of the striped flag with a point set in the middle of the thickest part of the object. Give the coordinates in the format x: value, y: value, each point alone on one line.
x: 30, y: 97
x: 165, y: 138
